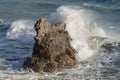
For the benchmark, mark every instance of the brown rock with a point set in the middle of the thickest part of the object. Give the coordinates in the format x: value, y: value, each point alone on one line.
x: 52, y: 48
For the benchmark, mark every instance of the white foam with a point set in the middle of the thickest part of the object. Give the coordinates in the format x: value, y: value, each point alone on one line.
x: 22, y: 30
x: 80, y: 25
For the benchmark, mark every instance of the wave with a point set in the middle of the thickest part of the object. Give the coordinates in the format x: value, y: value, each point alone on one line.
x: 45, y: 5
x: 101, y: 7
x: 4, y: 22
x: 21, y: 30
x: 104, y: 1
x: 80, y: 25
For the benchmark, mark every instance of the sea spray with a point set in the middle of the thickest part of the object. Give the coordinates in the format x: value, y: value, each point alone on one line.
x: 21, y: 30
x: 80, y: 26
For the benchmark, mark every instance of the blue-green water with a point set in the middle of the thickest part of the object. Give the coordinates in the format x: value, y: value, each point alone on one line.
x: 86, y: 20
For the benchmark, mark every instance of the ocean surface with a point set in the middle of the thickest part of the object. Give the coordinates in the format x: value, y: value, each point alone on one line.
x: 94, y: 26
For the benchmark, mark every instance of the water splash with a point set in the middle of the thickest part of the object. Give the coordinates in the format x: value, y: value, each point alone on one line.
x: 21, y: 30
x: 80, y: 26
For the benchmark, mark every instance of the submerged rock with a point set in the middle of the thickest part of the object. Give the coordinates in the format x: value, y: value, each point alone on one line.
x: 52, y: 48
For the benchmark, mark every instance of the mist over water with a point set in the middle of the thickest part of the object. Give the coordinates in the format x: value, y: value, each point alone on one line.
x: 92, y: 25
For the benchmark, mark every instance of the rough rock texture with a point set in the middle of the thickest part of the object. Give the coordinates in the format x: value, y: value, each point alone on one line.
x: 52, y: 48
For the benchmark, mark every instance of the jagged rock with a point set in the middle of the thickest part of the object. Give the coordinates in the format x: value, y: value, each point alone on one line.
x: 52, y: 48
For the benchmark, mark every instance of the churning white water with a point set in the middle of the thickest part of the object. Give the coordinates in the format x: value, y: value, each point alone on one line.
x: 81, y: 26
x: 22, y: 30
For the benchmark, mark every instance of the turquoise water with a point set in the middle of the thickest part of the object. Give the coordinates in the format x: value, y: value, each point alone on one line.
x: 84, y: 18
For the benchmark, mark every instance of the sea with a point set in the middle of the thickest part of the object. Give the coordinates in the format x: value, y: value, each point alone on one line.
x: 93, y: 25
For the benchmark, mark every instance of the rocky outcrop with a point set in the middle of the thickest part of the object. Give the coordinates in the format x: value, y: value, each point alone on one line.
x: 52, y: 48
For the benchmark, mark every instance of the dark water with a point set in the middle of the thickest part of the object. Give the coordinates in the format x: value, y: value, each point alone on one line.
x: 84, y: 19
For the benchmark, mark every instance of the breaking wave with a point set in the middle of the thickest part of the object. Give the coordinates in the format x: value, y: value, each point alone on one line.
x: 22, y: 30
x: 80, y: 25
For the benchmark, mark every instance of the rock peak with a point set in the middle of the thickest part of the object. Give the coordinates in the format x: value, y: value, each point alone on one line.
x: 43, y: 20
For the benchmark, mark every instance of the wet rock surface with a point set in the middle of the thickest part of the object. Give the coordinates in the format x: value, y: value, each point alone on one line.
x: 52, y: 49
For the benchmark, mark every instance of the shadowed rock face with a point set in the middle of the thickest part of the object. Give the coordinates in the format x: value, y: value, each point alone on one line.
x: 52, y: 48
